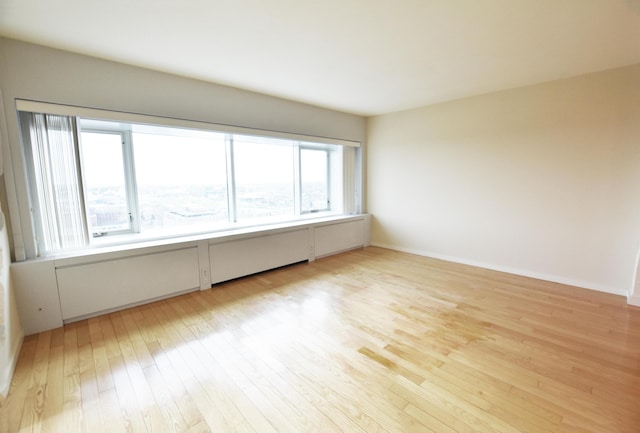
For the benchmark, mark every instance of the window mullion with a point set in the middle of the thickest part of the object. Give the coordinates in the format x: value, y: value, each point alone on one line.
x: 130, y: 182
x: 328, y: 181
x: 297, y: 188
x: 80, y: 180
x: 231, y: 179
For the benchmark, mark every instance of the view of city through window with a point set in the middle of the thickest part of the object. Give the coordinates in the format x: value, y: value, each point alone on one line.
x: 154, y: 182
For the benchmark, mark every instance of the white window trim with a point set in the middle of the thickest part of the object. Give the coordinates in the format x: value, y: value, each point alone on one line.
x: 122, y: 116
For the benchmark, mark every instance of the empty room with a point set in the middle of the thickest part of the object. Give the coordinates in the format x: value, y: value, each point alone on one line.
x: 341, y: 216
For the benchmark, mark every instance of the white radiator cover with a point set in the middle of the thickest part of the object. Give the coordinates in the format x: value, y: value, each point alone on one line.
x: 85, y: 289
x: 246, y: 256
x: 54, y: 291
x: 333, y: 238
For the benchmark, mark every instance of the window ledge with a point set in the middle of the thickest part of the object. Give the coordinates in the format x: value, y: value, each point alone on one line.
x: 135, y: 247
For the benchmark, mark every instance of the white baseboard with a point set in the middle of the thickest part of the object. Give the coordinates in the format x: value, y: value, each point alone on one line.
x: 5, y: 382
x: 539, y: 276
x: 633, y: 300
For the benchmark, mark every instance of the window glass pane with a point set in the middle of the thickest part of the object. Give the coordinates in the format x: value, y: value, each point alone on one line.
x: 104, y: 182
x: 264, y: 177
x: 314, y: 185
x: 181, y: 180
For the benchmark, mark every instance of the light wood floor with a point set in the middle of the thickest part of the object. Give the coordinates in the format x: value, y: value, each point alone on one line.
x: 367, y: 341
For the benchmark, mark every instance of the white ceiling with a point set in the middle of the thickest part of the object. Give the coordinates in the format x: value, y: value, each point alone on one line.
x: 362, y: 56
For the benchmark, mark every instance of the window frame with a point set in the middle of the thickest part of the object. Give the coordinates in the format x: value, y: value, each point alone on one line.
x: 349, y: 201
x: 130, y: 183
x: 327, y: 151
x: 124, y: 131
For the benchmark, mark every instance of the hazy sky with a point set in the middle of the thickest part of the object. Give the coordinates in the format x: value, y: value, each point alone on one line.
x: 166, y: 160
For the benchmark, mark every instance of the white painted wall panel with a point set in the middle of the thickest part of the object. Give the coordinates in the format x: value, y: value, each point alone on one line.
x: 37, y: 297
x: 11, y: 330
x: 240, y: 257
x: 333, y: 238
x: 94, y: 287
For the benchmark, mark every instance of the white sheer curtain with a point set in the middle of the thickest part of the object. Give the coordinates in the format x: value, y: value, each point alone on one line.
x: 52, y: 159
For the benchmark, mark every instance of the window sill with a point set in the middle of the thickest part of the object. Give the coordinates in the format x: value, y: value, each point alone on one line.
x: 133, y: 244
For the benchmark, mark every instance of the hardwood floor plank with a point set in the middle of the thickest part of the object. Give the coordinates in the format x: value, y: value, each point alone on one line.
x: 133, y: 416
x: 370, y: 340
x: 104, y: 380
x: 91, y: 412
x: 158, y: 414
x: 53, y: 404
x: 286, y: 399
x: 32, y: 416
x: 228, y: 408
x: 162, y: 365
x: 72, y: 396
x: 316, y: 397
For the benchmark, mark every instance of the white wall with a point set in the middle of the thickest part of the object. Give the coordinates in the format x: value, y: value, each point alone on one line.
x: 542, y: 181
x: 43, y: 74
x: 11, y: 332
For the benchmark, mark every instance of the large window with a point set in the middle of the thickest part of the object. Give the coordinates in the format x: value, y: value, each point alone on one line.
x: 130, y: 181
